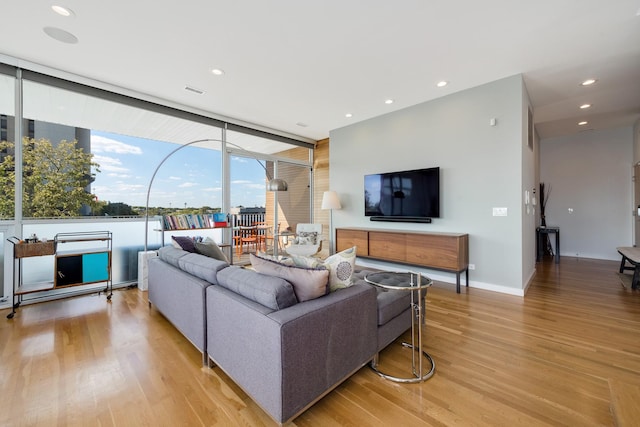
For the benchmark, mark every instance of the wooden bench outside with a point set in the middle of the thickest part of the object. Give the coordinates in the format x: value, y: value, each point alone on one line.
x: 632, y: 256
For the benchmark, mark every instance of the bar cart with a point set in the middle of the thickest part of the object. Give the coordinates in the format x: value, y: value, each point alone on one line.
x: 80, y: 258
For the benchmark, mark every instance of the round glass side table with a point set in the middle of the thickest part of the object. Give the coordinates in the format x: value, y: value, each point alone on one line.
x: 417, y: 285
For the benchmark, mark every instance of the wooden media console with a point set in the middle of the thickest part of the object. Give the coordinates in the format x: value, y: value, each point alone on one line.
x: 437, y: 251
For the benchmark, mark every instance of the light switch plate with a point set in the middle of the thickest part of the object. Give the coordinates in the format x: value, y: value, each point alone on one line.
x: 499, y: 211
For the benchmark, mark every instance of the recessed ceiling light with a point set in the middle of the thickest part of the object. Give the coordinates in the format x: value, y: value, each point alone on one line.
x: 585, y: 106
x: 583, y: 123
x: 588, y: 82
x: 388, y: 101
x: 348, y: 115
x: 217, y: 72
x: 62, y: 11
x: 60, y: 35
x: 443, y: 83
x: 302, y: 125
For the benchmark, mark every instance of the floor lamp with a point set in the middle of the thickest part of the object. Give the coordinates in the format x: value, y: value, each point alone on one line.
x: 330, y: 201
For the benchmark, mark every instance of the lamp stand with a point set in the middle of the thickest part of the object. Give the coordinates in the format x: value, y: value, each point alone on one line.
x: 332, y: 249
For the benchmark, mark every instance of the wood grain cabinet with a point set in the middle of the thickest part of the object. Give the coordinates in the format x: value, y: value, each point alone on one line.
x: 437, y: 251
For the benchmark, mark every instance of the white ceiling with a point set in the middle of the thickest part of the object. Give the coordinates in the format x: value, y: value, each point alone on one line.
x: 288, y: 61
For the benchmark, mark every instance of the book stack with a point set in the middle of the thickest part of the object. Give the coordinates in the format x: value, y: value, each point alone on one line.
x: 191, y: 221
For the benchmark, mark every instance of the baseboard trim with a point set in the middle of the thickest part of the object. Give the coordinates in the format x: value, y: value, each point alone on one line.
x: 440, y: 276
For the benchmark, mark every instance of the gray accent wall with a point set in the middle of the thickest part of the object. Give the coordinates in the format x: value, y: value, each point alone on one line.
x: 591, y: 174
x: 481, y: 167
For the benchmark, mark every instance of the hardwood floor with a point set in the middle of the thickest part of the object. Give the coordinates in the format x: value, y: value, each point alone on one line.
x: 546, y: 359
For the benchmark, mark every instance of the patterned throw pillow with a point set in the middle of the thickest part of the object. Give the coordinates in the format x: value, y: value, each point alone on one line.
x: 306, y: 238
x: 341, y: 267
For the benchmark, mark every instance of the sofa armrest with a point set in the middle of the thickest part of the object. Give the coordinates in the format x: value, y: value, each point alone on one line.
x: 287, y: 359
x: 180, y: 297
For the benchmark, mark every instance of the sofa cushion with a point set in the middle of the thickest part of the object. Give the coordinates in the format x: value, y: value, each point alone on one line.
x: 308, y: 283
x: 202, y: 267
x: 390, y: 303
x: 171, y: 255
x: 269, y: 291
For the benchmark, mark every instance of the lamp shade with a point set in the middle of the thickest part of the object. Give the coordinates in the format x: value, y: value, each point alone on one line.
x: 277, y: 184
x: 330, y: 200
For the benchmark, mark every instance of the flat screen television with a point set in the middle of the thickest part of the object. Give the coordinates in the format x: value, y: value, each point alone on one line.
x: 412, y: 195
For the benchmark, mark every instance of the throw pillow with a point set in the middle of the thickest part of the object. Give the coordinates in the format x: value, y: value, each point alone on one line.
x: 306, y: 261
x: 341, y: 267
x: 306, y: 238
x: 186, y: 243
x: 209, y: 248
x: 279, y: 259
x: 307, y: 283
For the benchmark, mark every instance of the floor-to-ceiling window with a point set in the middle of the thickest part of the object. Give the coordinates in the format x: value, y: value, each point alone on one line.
x: 87, y: 156
x: 7, y: 187
x: 256, y: 160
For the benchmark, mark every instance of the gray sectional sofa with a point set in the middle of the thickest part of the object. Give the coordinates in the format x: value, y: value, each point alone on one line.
x: 284, y: 354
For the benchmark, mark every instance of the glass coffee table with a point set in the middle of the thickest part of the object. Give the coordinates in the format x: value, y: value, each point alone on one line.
x: 417, y: 285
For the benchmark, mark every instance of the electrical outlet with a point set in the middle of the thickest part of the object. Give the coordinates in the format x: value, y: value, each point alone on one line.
x: 500, y: 211
x: 472, y: 266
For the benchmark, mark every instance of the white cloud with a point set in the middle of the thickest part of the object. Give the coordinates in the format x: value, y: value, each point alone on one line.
x: 175, y: 178
x: 213, y: 189
x: 100, y: 144
x: 187, y: 185
x: 110, y: 164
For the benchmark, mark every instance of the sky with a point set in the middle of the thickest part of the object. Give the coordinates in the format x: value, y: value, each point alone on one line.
x: 191, y: 177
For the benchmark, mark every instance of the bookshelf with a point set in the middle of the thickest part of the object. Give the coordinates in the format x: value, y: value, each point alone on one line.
x: 192, y: 222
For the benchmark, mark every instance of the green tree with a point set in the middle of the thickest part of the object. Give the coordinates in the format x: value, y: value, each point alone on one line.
x: 55, y: 178
x: 7, y: 180
x: 115, y: 209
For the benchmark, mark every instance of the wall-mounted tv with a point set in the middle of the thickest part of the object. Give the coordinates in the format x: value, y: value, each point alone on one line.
x: 412, y: 195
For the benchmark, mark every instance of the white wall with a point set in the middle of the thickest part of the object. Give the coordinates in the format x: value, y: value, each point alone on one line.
x: 636, y: 142
x: 480, y: 166
x: 529, y: 183
x: 590, y: 172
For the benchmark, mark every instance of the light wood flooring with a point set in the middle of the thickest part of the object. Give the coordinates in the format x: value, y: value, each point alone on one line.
x: 554, y: 357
